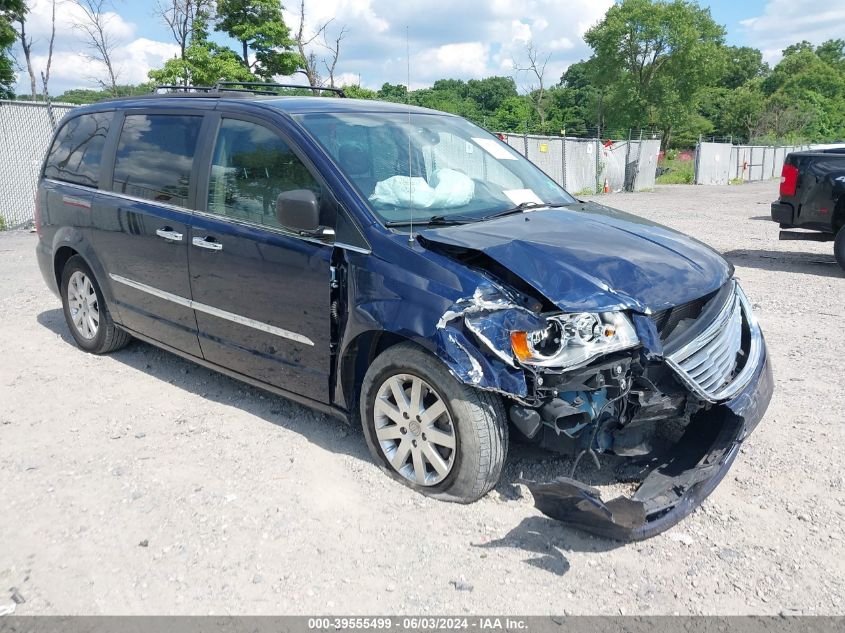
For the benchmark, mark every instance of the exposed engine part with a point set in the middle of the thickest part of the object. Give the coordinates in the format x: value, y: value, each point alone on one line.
x: 565, y: 417
x: 527, y: 420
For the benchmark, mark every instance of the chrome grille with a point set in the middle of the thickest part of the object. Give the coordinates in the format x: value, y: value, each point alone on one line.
x: 711, y: 364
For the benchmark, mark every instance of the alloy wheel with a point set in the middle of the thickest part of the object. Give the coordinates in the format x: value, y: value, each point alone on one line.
x: 83, y: 305
x: 414, y: 429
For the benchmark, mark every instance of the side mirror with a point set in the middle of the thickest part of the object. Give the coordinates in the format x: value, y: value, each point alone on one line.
x: 299, y: 211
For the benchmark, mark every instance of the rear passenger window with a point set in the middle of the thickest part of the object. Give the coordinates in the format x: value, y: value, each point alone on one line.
x: 76, y: 152
x: 251, y: 166
x: 155, y: 155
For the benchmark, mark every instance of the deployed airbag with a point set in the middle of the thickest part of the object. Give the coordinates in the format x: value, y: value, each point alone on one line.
x: 451, y: 189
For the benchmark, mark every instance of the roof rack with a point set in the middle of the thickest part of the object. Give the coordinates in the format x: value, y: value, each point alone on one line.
x: 172, y: 87
x: 261, y: 87
x: 250, y: 87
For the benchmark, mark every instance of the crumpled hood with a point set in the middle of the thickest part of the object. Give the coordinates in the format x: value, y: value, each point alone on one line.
x: 591, y: 257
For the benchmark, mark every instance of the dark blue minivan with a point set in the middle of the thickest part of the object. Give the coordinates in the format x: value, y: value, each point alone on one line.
x: 407, y: 271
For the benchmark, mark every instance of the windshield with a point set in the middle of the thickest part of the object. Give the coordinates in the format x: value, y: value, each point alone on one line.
x: 435, y: 167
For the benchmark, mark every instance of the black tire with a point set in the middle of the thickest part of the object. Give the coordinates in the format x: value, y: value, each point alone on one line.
x: 477, y: 417
x: 108, y: 337
x: 839, y: 248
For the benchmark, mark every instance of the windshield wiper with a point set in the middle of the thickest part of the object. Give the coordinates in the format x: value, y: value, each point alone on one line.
x: 434, y: 220
x: 524, y: 206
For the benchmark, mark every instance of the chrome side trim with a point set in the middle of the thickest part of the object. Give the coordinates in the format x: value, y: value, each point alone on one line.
x: 161, y: 294
x: 217, y: 312
x: 124, y: 196
x: 354, y: 249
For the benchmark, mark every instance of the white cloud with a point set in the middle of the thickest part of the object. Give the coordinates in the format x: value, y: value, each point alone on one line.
x: 786, y: 22
x: 71, y: 66
x: 467, y: 59
x: 460, y: 39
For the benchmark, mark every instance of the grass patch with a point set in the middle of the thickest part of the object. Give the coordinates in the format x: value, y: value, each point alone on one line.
x: 585, y: 192
x: 737, y: 181
x: 2, y: 223
x: 680, y: 172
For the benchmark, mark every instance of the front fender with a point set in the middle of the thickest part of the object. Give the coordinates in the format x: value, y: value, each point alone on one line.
x: 421, y: 303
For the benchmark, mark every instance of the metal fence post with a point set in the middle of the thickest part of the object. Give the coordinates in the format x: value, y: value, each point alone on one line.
x: 563, y: 161
x: 696, y: 163
x: 598, y: 150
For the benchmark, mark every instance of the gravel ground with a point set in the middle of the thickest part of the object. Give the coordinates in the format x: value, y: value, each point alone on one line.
x: 141, y: 483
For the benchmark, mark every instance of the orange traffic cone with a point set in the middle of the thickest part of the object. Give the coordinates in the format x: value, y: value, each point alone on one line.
x: 606, y: 186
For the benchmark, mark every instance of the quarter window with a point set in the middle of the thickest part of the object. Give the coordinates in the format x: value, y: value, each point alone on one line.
x: 251, y: 166
x: 155, y: 157
x: 76, y: 152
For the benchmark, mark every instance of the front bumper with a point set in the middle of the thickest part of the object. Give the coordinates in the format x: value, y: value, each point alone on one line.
x: 678, y: 482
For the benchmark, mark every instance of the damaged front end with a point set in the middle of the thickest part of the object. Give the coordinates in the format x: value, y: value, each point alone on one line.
x: 675, y: 393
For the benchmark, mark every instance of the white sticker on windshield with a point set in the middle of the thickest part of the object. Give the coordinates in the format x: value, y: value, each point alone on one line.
x: 495, y: 148
x: 518, y: 196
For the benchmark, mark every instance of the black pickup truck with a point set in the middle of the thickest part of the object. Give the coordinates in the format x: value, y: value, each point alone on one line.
x: 812, y: 196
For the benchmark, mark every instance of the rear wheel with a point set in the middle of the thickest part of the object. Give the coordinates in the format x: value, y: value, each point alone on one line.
x: 86, y: 312
x: 839, y: 247
x: 429, y: 431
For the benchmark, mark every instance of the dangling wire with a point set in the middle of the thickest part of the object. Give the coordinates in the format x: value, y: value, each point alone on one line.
x: 589, y: 450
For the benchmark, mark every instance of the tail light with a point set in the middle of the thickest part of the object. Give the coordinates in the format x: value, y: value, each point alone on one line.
x: 788, y: 180
x: 38, y: 211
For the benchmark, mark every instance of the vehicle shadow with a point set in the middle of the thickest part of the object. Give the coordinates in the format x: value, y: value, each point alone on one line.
x: 540, y: 535
x: 786, y: 261
x: 323, y: 430
x: 550, y: 540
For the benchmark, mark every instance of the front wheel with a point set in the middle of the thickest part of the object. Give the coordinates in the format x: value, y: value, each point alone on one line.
x: 424, y: 428
x: 839, y: 247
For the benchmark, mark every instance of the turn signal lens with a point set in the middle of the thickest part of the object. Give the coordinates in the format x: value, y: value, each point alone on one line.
x: 519, y: 344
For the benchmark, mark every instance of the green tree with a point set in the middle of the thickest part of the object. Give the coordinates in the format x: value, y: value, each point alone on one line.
x: 391, y: 92
x: 805, y: 95
x: 742, y: 110
x: 651, y: 58
x: 82, y: 96
x: 515, y: 114
x: 832, y: 52
x: 357, y: 92
x: 204, y: 64
x: 743, y: 64
x: 9, y: 11
x: 489, y: 93
x: 259, y: 27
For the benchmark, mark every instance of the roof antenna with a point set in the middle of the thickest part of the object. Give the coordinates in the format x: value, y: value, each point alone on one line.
x: 408, y: 103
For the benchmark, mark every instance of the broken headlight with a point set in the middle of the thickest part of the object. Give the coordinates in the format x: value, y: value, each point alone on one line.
x: 569, y: 340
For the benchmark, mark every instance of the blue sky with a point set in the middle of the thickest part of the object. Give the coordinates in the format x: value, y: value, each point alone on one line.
x: 726, y: 12
x: 459, y: 38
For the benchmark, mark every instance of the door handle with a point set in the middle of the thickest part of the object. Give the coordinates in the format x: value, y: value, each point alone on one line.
x: 169, y: 234
x: 207, y: 242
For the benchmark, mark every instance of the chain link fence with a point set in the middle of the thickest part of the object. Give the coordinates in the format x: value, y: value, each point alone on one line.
x: 585, y: 165
x: 723, y: 163
x: 26, y: 128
